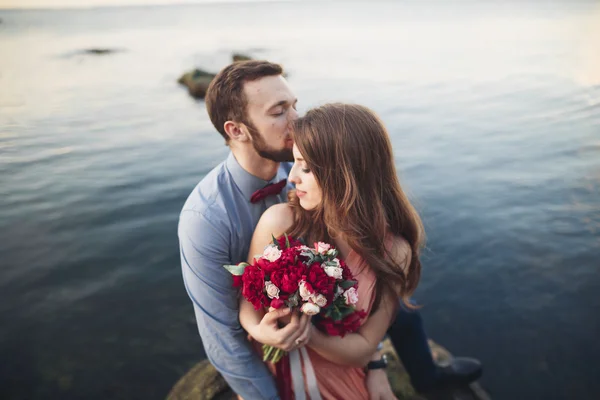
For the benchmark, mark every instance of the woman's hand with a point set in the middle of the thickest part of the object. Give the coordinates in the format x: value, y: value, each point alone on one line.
x: 288, y: 338
x: 378, y: 385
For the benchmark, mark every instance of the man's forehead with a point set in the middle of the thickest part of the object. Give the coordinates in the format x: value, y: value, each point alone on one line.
x: 268, y: 91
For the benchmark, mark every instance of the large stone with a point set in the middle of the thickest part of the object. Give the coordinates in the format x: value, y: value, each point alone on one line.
x: 203, y: 382
x: 240, y: 57
x: 197, y: 82
x: 100, y: 51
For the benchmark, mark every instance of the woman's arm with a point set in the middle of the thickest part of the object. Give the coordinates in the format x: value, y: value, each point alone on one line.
x: 363, y: 344
x: 357, y: 349
x: 260, y: 325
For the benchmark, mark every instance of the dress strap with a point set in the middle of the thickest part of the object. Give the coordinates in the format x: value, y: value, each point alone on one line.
x: 297, y: 358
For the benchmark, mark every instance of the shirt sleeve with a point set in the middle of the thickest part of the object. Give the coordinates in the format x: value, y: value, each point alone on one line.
x: 204, y: 247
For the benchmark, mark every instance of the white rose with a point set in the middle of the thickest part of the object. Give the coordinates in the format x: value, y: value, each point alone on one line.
x: 304, y: 292
x: 271, y: 253
x: 310, y: 309
x: 338, y: 292
x: 322, y: 247
x: 272, y: 290
x: 319, y: 300
x: 351, y: 296
x: 335, y: 272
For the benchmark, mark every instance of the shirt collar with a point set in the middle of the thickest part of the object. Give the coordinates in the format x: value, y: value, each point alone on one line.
x: 245, y: 181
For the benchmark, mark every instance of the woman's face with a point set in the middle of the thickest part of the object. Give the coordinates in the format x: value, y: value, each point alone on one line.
x: 308, y: 191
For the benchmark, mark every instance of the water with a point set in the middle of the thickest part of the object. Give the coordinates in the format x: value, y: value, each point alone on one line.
x: 494, y: 113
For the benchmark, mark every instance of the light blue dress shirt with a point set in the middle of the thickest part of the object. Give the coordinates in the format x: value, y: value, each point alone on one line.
x: 215, y: 228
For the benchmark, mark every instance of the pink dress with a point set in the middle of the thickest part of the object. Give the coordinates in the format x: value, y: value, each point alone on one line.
x: 336, y: 381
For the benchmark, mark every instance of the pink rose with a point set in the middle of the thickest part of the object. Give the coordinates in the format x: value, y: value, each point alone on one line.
x: 334, y: 272
x: 271, y: 253
x: 351, y: 296
x: 322, y: 247
x: 310, y: 309
x: 272, y: 290
x: 319, y: 300
x: 304, y: 290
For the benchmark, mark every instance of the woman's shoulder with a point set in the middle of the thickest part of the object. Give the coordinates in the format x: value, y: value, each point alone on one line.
x: 276, y: 219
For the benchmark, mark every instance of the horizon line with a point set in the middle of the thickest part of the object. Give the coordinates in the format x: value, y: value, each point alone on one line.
x: 158, y: 3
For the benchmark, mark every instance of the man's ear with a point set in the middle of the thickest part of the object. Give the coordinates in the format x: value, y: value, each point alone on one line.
x: 236, y: 131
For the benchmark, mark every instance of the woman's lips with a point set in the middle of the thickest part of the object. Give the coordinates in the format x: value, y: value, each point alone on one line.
x: 300, y: 193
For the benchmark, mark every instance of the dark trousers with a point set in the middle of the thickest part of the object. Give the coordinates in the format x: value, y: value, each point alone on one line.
x: 408, y: 337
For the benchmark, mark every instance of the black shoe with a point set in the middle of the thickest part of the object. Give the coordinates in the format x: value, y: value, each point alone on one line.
x: 459, y: 372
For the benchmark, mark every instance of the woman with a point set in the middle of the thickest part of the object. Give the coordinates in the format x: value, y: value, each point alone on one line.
x: 348, y: 194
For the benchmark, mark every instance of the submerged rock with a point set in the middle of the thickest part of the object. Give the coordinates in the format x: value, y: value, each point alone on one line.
x: 240, y: 57
x: 203, y: 382
x: 197, y: 82
x: 100, y: 51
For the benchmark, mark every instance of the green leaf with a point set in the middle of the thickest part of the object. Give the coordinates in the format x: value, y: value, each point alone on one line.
x: 336, y: 315
x: 347, y: 284
x: 294, y: 300
x: 287, y: 241
x: 236, y: 270
x: 275, y: 242
x: 347, y: 311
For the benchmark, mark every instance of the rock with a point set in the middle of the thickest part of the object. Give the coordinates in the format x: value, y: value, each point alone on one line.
x: 240, y: 57
x: 203, y: 382
x: 99, y: 51
x: 197, y: 82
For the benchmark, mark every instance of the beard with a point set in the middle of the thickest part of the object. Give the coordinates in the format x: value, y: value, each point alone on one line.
x: 264, y: 150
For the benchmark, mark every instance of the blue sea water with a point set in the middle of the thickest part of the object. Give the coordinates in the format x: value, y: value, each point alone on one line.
x: 494, y: 113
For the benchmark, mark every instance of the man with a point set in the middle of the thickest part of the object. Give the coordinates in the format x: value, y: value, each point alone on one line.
x: 251, y: 105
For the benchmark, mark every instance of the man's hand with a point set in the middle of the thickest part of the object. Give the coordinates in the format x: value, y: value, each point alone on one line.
x: 295, y: 334
x: 378, y: 385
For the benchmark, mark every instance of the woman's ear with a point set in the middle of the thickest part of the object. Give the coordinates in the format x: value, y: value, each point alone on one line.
x: 236, y: 131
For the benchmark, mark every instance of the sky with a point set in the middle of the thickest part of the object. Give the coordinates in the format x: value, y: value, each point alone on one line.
x: 94, y: 3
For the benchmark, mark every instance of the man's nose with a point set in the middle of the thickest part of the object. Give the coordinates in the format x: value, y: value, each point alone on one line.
x: 293, y: 114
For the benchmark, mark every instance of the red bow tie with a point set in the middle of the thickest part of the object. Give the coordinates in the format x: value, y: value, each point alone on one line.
x: 269, y: 190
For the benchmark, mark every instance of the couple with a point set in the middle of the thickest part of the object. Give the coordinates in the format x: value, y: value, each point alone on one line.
x: 342, y: 189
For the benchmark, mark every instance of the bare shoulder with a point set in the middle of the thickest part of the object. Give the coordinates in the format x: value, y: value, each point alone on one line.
x: 400, y: 250
x: 276, y: 220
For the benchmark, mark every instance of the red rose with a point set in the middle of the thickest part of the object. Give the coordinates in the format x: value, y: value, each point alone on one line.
x: 253, y: 287
x: 349, y: 324
x: 320, y: 282
x: 277, y: 303
x: 237, y: 280
x: 286, y: 278
x: 266, y: 265
x: 293, y: 242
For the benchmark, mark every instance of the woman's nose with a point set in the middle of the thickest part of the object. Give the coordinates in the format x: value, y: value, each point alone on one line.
x: 293, y: 177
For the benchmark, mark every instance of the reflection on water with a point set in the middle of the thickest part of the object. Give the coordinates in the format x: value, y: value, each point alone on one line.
x: 494, y: 115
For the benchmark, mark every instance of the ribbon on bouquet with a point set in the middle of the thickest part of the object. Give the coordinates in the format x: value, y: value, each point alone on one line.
x: 297, y: 357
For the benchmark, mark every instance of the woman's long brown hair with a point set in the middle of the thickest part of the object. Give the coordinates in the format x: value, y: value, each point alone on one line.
x: 350, y: 154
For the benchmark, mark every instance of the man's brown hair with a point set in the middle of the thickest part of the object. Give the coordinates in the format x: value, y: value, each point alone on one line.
x: 225, y: 98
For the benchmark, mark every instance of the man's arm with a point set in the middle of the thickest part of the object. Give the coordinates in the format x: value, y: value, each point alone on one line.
x: 204, y: 248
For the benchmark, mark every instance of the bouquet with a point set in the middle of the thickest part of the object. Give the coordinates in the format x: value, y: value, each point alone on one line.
x: 312, y: 280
